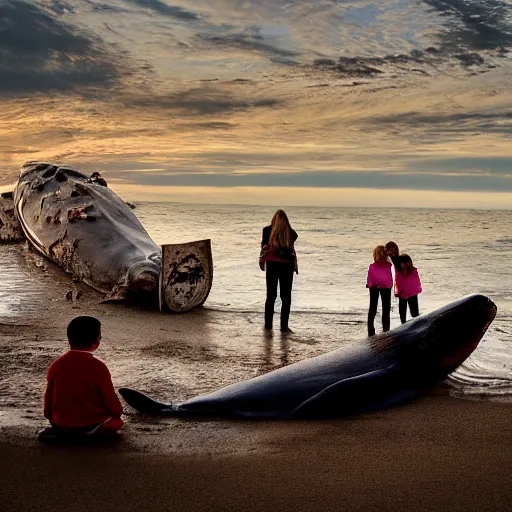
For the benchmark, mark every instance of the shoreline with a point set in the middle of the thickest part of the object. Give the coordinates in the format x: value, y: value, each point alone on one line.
x: 435, y: 453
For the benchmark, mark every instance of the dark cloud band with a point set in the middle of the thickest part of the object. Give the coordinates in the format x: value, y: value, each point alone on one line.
x: 452, y: 179
x: 40, y: 53
x: 167, y: 10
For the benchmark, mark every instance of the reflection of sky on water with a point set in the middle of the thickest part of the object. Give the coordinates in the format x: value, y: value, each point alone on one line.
x: 23, y: 292
x: 237, y: 87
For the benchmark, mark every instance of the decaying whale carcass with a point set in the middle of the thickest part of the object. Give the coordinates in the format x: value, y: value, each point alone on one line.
x: 86, y: 229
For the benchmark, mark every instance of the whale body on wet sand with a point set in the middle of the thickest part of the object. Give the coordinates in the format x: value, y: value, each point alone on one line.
x: 379, y: 371
x: 85, y: 228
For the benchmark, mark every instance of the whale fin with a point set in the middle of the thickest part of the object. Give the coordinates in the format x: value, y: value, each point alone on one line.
x: 144, y: 403
x: 372, y: 390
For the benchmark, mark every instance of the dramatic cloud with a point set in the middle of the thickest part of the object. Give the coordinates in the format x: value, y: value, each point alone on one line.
x: 199, y: 101
x: 483, y: 25
x: 253, y: 42
x: 167, y: 10
x: 490, y: 122
x: 39, y: 53
x: 475, y: 34
x: 303, y: 95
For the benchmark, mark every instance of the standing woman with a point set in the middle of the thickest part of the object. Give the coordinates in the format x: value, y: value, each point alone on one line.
x: 379, y: 282
x: 279, y: 260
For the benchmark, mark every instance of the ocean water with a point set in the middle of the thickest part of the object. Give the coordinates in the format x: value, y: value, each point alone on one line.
x: 457, y: 252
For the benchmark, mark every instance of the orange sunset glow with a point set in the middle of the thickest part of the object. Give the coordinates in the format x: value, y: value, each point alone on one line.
x: 163, y: 98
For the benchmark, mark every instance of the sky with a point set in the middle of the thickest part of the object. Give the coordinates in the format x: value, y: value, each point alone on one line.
x: 276, y: 102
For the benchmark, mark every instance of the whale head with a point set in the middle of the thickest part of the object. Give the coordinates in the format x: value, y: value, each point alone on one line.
x: 143, y: 280
x: 446, y: 337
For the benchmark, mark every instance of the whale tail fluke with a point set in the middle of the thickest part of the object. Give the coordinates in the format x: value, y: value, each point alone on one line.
x: 145, y: 404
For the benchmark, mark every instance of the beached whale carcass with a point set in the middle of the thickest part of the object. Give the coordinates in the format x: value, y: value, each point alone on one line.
x: 380, y: 371
x: 86, y: 229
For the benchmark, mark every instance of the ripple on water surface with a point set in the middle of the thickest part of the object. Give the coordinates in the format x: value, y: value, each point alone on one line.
x: 26, y: 278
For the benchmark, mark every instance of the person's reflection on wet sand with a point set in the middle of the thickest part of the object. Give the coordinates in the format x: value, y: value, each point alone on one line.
x: 285, y: 349
x: 283, y: 355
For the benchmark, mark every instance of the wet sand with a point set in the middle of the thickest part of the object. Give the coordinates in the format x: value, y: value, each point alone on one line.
x: 437, y: 453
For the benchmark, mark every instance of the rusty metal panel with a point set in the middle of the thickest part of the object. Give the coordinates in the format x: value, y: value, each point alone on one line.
x: 187, y: 275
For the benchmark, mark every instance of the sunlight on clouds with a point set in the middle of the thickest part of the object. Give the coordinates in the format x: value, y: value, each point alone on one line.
x: 230, y: 89
x: 335, y: 129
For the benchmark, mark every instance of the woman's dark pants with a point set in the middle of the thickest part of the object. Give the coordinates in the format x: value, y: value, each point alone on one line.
x: 413, y: 307
x: 282, y: 273
x: 385, y: 297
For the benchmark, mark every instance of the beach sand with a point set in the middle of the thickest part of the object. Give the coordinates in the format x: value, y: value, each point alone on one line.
x: 436, y: 453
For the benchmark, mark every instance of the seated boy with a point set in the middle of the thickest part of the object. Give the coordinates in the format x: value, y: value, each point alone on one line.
x: 80, y: 399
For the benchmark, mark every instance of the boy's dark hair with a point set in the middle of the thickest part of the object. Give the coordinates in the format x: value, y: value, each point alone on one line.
x: 83, y: 331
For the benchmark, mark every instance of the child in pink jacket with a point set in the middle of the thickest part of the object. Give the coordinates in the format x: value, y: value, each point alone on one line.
x: 379, y: 282
x: 407, y: 288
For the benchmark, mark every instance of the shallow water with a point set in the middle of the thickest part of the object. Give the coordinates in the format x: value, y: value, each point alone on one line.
x: 25, y: 282
x: 456, y: 252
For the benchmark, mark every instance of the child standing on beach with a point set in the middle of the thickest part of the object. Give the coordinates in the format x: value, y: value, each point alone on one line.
x: 407, y: 288
x: 80, y: 399
x: 379, y: 282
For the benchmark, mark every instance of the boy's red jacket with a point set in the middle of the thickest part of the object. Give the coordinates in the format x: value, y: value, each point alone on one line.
x: 79, y: 391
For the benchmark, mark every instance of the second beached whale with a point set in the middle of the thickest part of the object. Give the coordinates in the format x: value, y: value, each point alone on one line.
x: 383, y: 370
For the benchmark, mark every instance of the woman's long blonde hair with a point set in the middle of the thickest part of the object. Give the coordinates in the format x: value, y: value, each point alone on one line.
x: 281, y: 231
